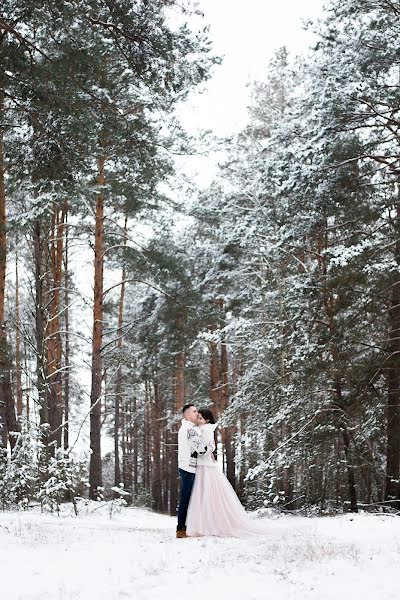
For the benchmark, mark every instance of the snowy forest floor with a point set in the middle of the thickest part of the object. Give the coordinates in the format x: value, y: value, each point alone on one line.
x: 135, y: 555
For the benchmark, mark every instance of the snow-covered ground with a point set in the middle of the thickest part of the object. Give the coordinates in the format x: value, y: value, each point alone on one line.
x: 135, y: 555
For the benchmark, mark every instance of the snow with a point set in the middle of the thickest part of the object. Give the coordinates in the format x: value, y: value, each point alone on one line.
x: 135, y: 554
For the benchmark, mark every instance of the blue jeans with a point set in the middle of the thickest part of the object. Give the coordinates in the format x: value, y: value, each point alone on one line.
x: 187, y: 481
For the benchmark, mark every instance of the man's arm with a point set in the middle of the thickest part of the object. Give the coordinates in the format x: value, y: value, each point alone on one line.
x: 195, y: 441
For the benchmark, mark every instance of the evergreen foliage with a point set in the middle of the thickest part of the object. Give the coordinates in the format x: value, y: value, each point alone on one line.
x: 273, y: 296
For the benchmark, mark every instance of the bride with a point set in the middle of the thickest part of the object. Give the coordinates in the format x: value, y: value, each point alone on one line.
x: 214, y: 508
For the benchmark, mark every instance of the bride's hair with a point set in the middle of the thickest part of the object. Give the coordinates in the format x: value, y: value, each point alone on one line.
x: 207, y: 415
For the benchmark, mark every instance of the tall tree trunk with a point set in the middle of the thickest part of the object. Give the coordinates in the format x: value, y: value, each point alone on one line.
x: 128, y: 483
x: 53, y: 335
x: 392, y: 488
x: 350, y: 470
x: 126, y: 435
x: 3, y: 258
x: 156, y: 491
x: 214, y: 375
x: 8, y: 420
x: 147, y: 438
x: 27, y: 385
x: 41, y: 368
x: 135, y: 449
x: 117, y: 427
x: 242, y: 465
x: 95, y: 475
x: 287, y: 472
x: 329, y: 305
x: 18, y: 374
x: 173, y: 439
x: 215, y: 382
x: 229, y: 430
x: 346, y: 448
x: 123, y: 422
x: 66, y: 336
x: 227, y: 433
x: 118, y: 384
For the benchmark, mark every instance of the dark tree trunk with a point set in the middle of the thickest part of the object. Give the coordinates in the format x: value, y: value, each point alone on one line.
x: 95, y: 475
x: 242, y: 464
x: 350, y: 470
x: 347, y: 452
x: 117, y: 400
x: 392, y: 487
x: 173, y: 438
x: 41, y: 367
x: 53, y: 335
x: 66, y: 337
x: 146, y: 438
x: 214, y: 376
x: 27, y: 384
x: 118, y: 385
x: 165, y: 469
x: 18, y: 373
x: 215, y: 388
x: 135, y: 448
x: 129, y: 446
x: 8, y: 420
x: 393, y: 405
x: 229, y: 431
x: 156, y: 491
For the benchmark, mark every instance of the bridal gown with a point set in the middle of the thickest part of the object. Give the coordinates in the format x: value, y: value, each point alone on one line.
x: 214, y: 509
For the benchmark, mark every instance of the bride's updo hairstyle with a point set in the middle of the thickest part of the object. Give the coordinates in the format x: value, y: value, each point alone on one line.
x: 207, y: 415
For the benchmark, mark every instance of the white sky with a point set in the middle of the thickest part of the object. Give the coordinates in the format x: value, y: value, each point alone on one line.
x: 245, y: 34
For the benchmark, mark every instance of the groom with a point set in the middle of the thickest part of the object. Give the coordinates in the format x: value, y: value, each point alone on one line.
x: 189, y: 445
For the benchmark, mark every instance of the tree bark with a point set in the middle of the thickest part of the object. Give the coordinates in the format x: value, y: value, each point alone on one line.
x: 350, y: 470
x: 41, y: 368
x: 173, y: 438
x: 18, y: 372
x: 53, y: 335
x: 66, y: 336
x: 27, y: 384
x: 392, y: 487
x: 8, y: 421
x: 146, y: 438
x: 329, y: 305
x: 156, y: 491
x: 135, y: 449
x: 95, y: 475
x: 214, y: 375
x: 222, y: 389
x: 346, y: 448
x: 118, y: 384
x: 229, y: 430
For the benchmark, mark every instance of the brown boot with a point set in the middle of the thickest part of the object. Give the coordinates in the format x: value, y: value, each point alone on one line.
x: 181, y: 533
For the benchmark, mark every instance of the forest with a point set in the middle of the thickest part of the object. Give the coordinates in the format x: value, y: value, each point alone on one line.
x: 271, y: 296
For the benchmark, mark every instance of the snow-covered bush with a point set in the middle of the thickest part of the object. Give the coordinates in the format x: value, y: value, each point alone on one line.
x: 142, y: 497
x: 122, y: 497
x: 18, y: 473
x: 59, y: 481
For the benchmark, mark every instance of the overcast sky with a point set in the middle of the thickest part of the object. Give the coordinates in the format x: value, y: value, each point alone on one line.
x: 245, y: 34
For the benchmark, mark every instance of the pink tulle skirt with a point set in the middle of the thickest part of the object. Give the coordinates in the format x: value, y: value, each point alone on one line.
x: 214, y: 508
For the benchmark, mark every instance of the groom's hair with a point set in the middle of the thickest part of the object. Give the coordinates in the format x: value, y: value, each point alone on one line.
x: 184, y: 409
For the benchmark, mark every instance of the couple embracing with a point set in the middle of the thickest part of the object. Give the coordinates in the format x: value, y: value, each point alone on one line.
x: 208, y: 504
